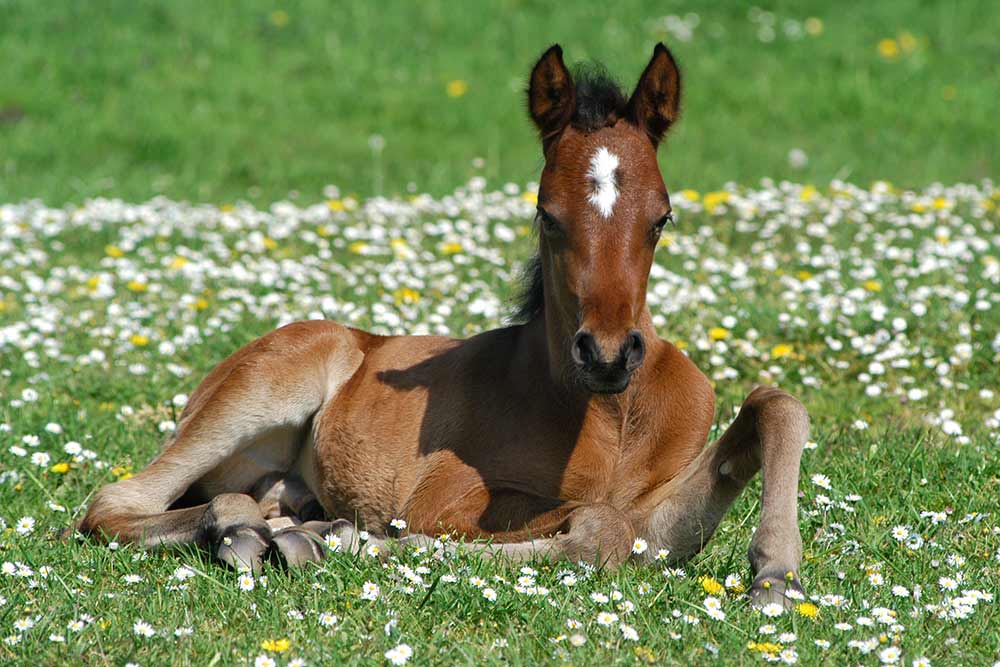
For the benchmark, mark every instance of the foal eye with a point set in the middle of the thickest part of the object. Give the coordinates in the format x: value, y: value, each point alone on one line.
x: 662, y: 222
x: 550, y: 227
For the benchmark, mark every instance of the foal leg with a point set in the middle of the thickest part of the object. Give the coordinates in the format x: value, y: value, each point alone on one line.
x: 767, y: 435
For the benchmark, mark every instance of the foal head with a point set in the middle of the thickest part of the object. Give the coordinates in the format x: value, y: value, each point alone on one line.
x: 601, y: 207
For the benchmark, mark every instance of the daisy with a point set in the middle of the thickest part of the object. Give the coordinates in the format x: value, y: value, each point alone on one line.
x: 328, y: 619
x: 489, y: 594
x: 607, y: 618
x: 399, y: 655
x: 639, y: 546
x: 143, y: 629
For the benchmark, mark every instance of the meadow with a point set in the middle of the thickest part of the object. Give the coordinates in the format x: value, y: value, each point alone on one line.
x: 861, y: 273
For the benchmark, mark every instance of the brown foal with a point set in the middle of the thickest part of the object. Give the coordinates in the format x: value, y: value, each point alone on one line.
x: 566, y: 436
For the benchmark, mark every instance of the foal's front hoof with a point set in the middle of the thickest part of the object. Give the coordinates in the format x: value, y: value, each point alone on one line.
x: 242, y: 548
x: 786, y: 591
x: 297, y: 546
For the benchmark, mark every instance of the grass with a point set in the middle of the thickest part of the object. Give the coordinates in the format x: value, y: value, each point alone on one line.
x: 878, y: 308
x: 220, y: 101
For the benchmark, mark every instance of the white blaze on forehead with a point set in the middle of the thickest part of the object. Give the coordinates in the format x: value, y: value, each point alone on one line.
x: 603, y: 179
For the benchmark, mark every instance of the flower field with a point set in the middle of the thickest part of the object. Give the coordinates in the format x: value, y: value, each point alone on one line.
x: 878, y: 307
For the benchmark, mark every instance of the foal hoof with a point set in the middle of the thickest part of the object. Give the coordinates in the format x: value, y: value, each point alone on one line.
x: 242, y: 548
x: 298, y: 546
x: 785, y: 591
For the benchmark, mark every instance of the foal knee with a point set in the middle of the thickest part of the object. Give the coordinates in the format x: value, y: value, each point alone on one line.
x: 779, y: 413
x: 600, y: 534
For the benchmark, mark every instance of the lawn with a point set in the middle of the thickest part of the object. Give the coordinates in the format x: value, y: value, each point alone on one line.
x: 217, y: 101
x: 878, y: 304
x: 878, y: 307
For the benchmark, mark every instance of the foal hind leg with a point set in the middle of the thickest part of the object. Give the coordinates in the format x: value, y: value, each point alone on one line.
x: 230, y: 435
x: 768, y: 435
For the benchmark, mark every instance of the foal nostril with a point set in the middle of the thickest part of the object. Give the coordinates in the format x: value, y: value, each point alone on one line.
x: 585, y: 352
x: 634, y: 350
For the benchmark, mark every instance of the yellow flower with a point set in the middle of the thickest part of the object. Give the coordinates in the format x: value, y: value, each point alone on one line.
x: 803, y: 275
x: 681, y: 344
x: 530, y: 197
x: 808, y: 193
x: 60, y: 468
x: 139, y: 340
x: 276, y: 645
x: 113, y: 251
x: 713, y: 200
x: 457, y: 88
x: 178, y: 262
x: 764, y: 647
x: 406, y: 295
x: 814, y: 26
x: 690, y: 195
x: 323, y: 231
x: 711, y: 586
x: 270, y: 243
x: 940, y: 203
x: 807, y: 609
x: 335, y: 205
x: 873, y: 286
x: 451, y: 248
x: 907, y: 42
x: 781, y: 350
x: 279, y: 18
x: 718, y: 333
x: 665, y: 240
x: 918, y: 207
x: 136, y: 286
x: 888, y: 48
x: 358, y: 247
x: 200, y: 304
x: 121, y: 472
x: 227, y: 208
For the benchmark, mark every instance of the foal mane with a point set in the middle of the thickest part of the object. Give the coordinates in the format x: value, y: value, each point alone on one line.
x: 599, y: 103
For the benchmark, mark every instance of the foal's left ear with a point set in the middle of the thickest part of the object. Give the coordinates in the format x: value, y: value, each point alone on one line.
x: 655, y: 104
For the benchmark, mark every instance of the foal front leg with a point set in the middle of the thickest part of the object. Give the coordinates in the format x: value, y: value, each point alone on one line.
x: 768, y: 435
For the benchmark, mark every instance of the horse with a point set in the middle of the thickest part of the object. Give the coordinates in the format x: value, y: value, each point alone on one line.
x: 575, y: 433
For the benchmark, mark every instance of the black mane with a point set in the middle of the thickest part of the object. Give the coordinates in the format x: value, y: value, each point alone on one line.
x: 599, y: 103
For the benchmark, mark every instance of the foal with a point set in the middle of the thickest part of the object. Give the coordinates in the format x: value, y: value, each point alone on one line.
x: 566, y: 436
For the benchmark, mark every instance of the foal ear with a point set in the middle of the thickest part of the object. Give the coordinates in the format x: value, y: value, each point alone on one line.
x: 655, y: 104
x: 551, y: 94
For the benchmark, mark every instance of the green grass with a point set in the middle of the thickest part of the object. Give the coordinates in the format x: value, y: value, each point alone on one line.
x: 216, y: 101
x: 81, y: 309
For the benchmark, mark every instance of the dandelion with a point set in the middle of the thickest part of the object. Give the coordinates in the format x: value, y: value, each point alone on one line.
x: 711, y: 586
x: 276, y: 645
x: 807, y: 609
x: 457, y: 88
x: 888, y: 48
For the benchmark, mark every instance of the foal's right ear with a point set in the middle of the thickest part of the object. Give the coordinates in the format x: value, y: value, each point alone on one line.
x: 551, y: 94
